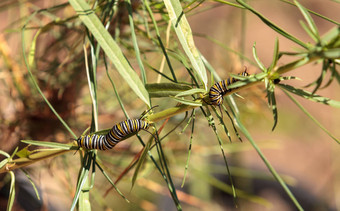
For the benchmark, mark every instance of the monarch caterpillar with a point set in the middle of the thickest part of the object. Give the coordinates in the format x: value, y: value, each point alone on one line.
x: 118, y: 133
x: 219, y: 89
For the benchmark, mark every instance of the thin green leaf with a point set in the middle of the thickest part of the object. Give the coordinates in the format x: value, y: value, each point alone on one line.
x: 311, y: 117
x: 14, y: 152
x: 39, y: 154
x: 164, y: 170
x: 83, y: 202
x: 44, y: 29
x: 178, y: 124
x: 32, y: 183
x: 31, y: 54
x: 331, y: 53
x: 85, y: 131
x: 4, y: 154
x: 258, y: 61
x: 315, y: 13
x: 93, y: 173
x: 318, y: 82
x: 92, y: 82
x: 23, y: 153
x: 332, y: 37
x: 222, y: 124
x: 296, y: 64
x: 4, y: 162
x: 188, y: 102
x: 229, y: 3
x: 112, y: 183
x: 269, y: 166
x: 166, y: 89
x: 224, y: 46
x: 191, y: 92
x: 145, y: 19
x: 232, y: 122
x: 275, y: 55
x: 188, y: 8
x: 239, y: 84
x: 309, y: 20
x: 285, y: 78
x: 184, y: 34
x: 272, y: 170
x: 29, y: 157
x: 309, y: 32
x: 135, y: 42
x: 335, y: 75
x: 167, y: 175
x: 11, y: 196
x: 273, y: 26
x: 154, y: 162
x: 115, y: 90
x: 162, y: 74
x: 272, y: 103
x: 310, y: 96
x: 146, y: 4
x: 275, y: 113
x: 84, y: 196
x: 213, y: 126
x: 48, y: 144
x: 188, y: 122
x: 35, y: 84
x: 141, y: 161
x: 190, y: 145
x: 110, y: 47
x: 82, y: 179
x: 217, y: 183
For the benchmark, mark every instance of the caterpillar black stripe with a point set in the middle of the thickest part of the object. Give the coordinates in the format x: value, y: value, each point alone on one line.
x: 219, y: 89
x: 116, y: 134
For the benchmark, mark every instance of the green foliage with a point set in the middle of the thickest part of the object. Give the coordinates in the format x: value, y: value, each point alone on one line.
x: 148, y: 35
x: 110, y: 47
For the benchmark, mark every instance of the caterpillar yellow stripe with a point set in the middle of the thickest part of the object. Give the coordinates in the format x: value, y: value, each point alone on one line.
x: 115, y: 135
x: 219, y: 89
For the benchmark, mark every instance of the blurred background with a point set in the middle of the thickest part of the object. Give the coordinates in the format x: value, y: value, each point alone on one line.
x: 301, y: 152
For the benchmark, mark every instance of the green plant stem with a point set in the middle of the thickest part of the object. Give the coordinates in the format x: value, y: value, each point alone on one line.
x: 314, y: 13
x: 229, y: 3
x: 160, y: 43
x: 35, y: 81
x: 135, y: 42
x: 273, y: 26
x: 296, y: 64
x: 22, y: 162
x: 310, y: 116
x: 167, y: 113
x: 269, y: 166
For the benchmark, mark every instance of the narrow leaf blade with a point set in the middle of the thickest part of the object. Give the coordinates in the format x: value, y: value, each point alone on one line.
x: 310, y: 96
x: 11, y: 192
x: 309, y: 20
x: 141, y: 161
x: 110, y: 47
x: 184, y: 34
